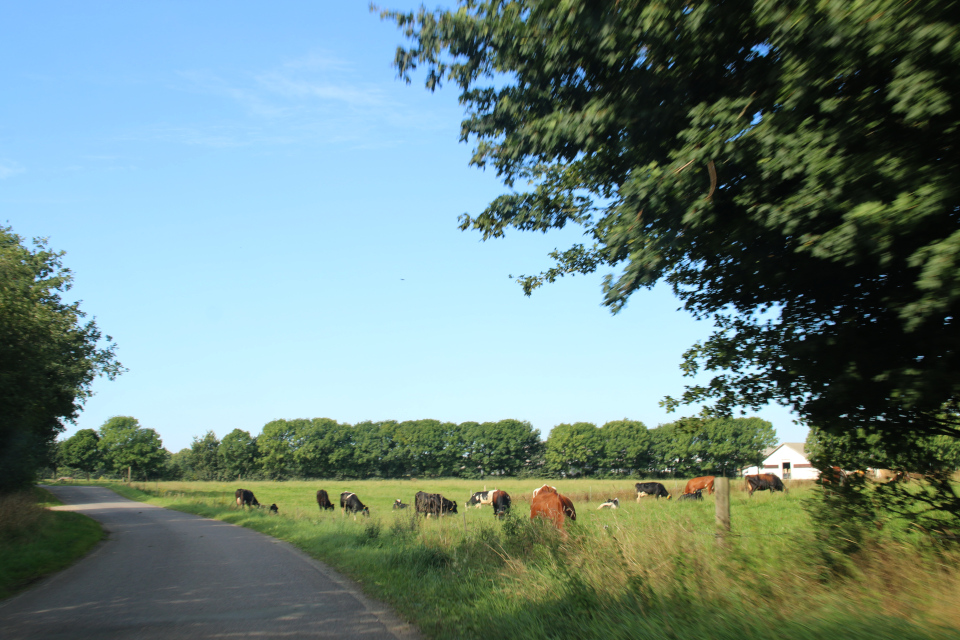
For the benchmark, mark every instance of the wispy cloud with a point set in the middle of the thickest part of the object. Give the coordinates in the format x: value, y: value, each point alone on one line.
x: 9, y: 168
x: 311, y: 99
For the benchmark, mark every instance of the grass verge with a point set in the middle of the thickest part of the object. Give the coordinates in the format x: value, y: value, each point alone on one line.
x: 35, y: 541
x: 648, y: 570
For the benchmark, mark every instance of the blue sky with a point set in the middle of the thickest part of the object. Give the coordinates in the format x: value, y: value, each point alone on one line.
x: 265, y: 220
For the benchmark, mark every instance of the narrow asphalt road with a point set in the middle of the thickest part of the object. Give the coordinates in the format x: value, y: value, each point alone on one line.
x: 166, y: 574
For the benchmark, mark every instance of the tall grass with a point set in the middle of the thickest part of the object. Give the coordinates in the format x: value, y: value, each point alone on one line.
x: 652, y: 569
x: 35, y: 541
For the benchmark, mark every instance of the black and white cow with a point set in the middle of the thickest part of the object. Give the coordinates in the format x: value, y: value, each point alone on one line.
x: 611, y: 503
x: 350, y: 502
x: 696, y: 495
x: 651, y: 489
x: 273, y: 510
x: 397, y: 504
x: 480, y: 498
x: 245, y: 498
x: 433, y: 504
x: 501, y: 503
x: 323, y: 500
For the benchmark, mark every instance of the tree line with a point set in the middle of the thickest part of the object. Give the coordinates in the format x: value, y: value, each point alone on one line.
x: 325, y: 448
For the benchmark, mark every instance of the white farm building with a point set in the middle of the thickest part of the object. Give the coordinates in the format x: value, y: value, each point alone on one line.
x: 789, y: 461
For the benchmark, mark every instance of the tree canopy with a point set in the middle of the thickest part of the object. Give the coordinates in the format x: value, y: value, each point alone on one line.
x: 81, y: 451
x: 325, y: 448
x: 125, y: 444
x: 49, y: 356
x: 787, y: 166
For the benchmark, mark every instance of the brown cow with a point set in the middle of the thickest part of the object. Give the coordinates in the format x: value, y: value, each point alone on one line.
x: 548, y: 505
x: 833, y: 475
x: 501, y: 503
x: 703, y: 482
x: 763, y: 482
x: 887, y: 475
x: 544, y: 489
x: 568, y: 509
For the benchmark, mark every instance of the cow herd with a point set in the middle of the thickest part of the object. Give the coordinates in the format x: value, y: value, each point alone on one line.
x: 546, y: 503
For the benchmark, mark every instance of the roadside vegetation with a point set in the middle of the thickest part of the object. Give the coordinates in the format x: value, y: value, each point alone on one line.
x: 653, y: 569
x: 35, y: 541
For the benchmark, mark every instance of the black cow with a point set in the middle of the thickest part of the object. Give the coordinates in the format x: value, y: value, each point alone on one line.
x: 696, y: 495
x: 501, y: 503
x: 654, y: 489
x: 323, y: 500
x: 764, y: 482
x: 480, y: 498
x: 273, y: 510
x: 433, y: 504
x: 246, y: 498
x: 399, y: 505
x: 350, y: 502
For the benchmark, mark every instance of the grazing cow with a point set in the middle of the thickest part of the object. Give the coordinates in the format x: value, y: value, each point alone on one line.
x: 611, y: 503
x: 696, y: 495
x: 501, y: 503
x: 480, y: 498
x: 246, y: 498
x: 545, y: 488
x: 703, y: 482
x: 399, y: 505
x: 887, y: 475
x: 553, y: 507
x: 273, y: 510
x: 833, y: 475
x: 568, y: 509
x: 350, y: 502
x: 433, y: 504
x: 651, y: 489
x: 763, y: 482
x: 323, y: 500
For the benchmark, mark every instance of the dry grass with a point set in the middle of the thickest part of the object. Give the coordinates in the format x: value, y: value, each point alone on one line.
x: 19, y: 514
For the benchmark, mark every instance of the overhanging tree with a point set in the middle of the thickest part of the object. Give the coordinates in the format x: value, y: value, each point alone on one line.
x: 49, y: 356
x: 787, y: 166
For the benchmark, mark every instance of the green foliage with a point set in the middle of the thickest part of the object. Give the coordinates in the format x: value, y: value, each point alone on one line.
x: 626, y: 447
x: 206, y: 457
x: 789, y: 168
x: 734, y: 443
x: 237, y: 455
x: 507, y: 447
x: 574, y: 449
x: 81, y: 451
x: 323, y: 448
x: 930, y: 501
x: 179, y: 466
x: 124, y: 443
x: 49, y: 357
x: 277, y: 443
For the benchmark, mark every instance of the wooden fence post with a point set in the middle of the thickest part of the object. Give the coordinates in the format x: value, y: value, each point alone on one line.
x: 722, y: 487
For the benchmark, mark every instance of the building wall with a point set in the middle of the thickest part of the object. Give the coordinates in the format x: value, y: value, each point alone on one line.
x: 799, y: 467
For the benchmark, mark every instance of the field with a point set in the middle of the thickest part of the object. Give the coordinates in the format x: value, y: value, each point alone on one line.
x: 653, y: 569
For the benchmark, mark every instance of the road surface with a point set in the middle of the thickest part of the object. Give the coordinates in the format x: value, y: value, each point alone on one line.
x: 166, y: 574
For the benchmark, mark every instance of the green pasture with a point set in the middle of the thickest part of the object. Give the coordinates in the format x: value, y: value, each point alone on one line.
x: 653, y: 569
